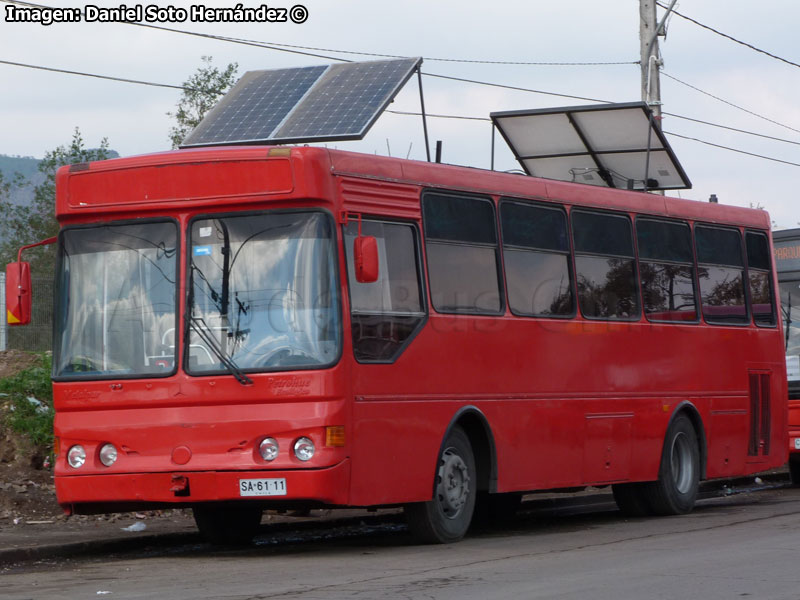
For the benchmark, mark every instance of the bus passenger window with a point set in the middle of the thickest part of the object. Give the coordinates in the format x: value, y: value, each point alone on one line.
x: 387, y: 313
x: 666, y: 266
x: 605, y: 268
x: 721, y: 275
x: 461, y: 245
x: 536, y: 256
x: 759, y: 278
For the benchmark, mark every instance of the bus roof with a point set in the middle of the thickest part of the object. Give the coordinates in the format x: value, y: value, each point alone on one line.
x: 137, y: 182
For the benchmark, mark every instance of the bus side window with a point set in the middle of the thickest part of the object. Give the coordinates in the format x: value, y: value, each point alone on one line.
x: 605, y: 266
x: 759, y: 279
x: 536, y: 256
x: 721, y: 274
x: 386, y: 313
x: 461, y: 246
x: 666, y: 267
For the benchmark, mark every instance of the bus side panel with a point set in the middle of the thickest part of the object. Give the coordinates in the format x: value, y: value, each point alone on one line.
x: 569, y: 403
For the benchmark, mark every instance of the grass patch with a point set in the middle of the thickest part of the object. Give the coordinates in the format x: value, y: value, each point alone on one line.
x: 27, y: 398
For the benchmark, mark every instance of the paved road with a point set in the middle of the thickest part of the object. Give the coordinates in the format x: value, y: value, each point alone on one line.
x: 741, y: 546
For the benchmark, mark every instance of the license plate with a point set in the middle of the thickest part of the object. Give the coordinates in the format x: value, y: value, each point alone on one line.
x: 262, y: 487
x: 797, y: 443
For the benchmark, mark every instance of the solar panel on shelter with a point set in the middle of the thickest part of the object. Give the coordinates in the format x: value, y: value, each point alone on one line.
x: 306, y: 104
x: 614, y: 145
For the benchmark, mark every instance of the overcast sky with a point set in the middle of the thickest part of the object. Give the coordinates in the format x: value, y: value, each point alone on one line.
x: 39, y: 109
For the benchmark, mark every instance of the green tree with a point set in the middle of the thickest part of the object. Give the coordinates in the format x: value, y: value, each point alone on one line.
x: 201, y: 92
x: 22, y: 225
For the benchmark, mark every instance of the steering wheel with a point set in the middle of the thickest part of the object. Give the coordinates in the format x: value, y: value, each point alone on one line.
x: 285, y: 356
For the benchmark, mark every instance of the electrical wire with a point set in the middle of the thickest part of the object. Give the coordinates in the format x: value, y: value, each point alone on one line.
x: 755, y: 114
x: 435, y: 116
x: 733, y: 39
x: 307, y: 50
x: 83, y: 74
x: 438, y: 116
x: 516, y: 88
x: 778, y: 160
x: 761, y: 135
x: 295, y: 50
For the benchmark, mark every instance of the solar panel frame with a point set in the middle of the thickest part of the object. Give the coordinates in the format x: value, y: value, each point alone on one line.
x: 341, y: 103
x: 573, y: 139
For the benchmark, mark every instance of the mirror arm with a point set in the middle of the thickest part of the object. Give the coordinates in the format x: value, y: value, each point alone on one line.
x: 47, y: 242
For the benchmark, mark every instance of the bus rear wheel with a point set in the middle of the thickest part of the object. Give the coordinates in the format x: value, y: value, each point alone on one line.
x: 675, y: 491
x: 227, y: 525
x: 446, y: 518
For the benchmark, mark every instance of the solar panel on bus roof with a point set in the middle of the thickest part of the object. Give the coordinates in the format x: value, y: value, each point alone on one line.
x: 255, y: 106
x: 337, y: 102
x: 347, y: 100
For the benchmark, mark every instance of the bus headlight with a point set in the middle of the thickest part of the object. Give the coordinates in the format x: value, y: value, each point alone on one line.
x: 304, y: 449
x: 108, y: 454
x: 76, y: 457
x: 268, y: 448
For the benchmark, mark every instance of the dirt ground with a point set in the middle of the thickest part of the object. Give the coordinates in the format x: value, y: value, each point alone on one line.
x: 26, y: 486
x: 12, y: 361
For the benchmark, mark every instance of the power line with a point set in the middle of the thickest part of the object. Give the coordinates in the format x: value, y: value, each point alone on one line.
x: 516, y: 88
x: 778, y: 160
x: 733, y: 39
x: 109, y: 77
x: 440, y: 76
x: 437, y: 116
x: 761, y: 135
x: 406, y: 113
x: 309, y: 50
x: 755, y: 114
x: 459, y: 60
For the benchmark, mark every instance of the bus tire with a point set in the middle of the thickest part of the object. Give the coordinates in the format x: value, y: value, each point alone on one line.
x: 446, y: 518
x: 794, y: 469
x: 675, y: 491
x: 631, y: 499
x: 227, y: 525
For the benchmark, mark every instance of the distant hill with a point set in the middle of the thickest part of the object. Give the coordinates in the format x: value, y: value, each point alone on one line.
x: 27, y: 166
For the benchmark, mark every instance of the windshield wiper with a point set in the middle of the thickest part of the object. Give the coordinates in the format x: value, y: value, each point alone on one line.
x: 199, y: 326
x: 787, y: 317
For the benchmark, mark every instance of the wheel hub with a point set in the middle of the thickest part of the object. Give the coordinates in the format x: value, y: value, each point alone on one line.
x: 453, y: 488
x: 681, y: 463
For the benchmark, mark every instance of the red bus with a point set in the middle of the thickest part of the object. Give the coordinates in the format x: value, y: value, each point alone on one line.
x: 786, y: 247
x: 246, y: 328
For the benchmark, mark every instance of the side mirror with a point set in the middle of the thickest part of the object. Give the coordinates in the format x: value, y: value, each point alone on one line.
x: 365, y: 253
x: 18, y: 293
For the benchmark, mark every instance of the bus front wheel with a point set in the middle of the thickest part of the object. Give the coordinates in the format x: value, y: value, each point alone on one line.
x: 675, y: 491
x: 446, y: 517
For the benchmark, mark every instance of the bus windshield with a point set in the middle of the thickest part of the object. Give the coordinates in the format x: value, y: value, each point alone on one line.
x: 116, y: 301
x: 262, y: 293
x: 790, y: 305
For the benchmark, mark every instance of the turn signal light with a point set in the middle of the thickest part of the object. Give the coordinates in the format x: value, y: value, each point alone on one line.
x: 334, y: 436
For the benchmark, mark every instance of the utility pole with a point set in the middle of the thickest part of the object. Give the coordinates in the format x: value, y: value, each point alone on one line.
x: 651, y: 63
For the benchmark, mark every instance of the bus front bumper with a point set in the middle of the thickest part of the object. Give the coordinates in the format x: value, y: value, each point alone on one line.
x: 91, y: 494
x: 794, y: 441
